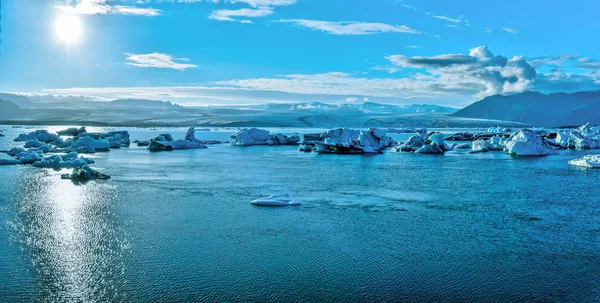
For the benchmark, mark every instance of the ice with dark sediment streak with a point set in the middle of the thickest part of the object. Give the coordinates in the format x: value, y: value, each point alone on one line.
x: 348, y: 141
x: 85, y: 173
x: 255, y: 136
x: 590, y: 161
x: 275, y: 201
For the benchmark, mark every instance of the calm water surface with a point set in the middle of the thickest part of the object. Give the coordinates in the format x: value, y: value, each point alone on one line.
x: 178, y: 226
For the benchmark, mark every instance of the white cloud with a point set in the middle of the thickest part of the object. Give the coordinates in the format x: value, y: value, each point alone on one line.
x: 350, y: 27
x: 447, y: 19
x: 413, y: 46
x: 553, y: 60
x: 510, y: 30
x: 92, y: 7
x: 157, y: 60
x: 226, y: 14
x: 252, y: 3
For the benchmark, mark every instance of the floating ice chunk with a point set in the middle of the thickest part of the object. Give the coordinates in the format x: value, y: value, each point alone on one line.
x: 41, y: 135
x: 15, y: 150
x: 431, y: 148
x: 528, y: 143
x: 479, y: 146
x: 437, y: 138
x: 30, y: 156
x: 349, y: 141
x: 85, y: 173
x: 255, y: 136
x: 275, y: 201
x: 72, y: 131
x: 591, y: 161
x: 413, y: 144
x: 33, y: 143
x: 142, y: 143
x: 114, y: 138
x: 87, y: 144
x: 67, y: 161
x: 165, y: 142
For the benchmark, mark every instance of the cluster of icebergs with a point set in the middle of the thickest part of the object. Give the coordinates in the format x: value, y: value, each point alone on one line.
x: 65, y: 151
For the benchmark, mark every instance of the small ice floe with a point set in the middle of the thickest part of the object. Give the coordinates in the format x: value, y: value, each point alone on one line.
x: 85, y: 173
x: 72, y: 131
x: 481, y: 146
x: 1, y: 132
x: 528, y: 143
x: 255, y: 136
x: 461, y: 146
x: 590, y: 161
x: 275, y: 201
x: 165, y: 142
x: 116, y: 139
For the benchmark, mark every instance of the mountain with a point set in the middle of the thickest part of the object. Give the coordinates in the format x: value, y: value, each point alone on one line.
x: 367, y: 108
x: 21, y: 101
x: 9, y: 109
x: 558, y: 109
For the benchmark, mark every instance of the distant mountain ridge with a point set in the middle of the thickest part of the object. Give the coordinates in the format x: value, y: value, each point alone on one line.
x: 534, y: 108
x: 367, y: 107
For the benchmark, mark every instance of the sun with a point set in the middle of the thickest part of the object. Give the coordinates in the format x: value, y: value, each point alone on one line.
x: 68, y: 28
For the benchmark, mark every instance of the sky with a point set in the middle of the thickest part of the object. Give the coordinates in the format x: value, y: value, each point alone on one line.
x: 205, y: 52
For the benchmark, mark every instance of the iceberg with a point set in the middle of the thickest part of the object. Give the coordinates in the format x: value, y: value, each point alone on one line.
x: 16, y: 150
x: 590, y: 161
x: 30, y: 156
x: 348, y: 141
x: 87, y: 144
x: 165, y: 142
x: 70, y: 160
x: 72, y: 131
x: 255, y: 136
x: 10, y: 161
x: 142, y: 143
x: 481, y: 146
x: 33, y: 143
x: 85, y: 173
x: 275, y: 201
x: 431, y: 148
x: 40, y: 135
x: 116, y: 139
x: 528, y: 143
x: 461, y: 146
x: 413, y: 144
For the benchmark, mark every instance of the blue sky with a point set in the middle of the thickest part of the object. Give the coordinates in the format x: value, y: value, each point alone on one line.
x: 258, y: 51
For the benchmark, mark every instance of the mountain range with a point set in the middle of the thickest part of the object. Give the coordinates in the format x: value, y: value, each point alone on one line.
x: 528, y: 108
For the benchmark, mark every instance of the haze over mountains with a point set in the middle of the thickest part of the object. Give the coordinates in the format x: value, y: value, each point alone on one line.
x: 529, y: 108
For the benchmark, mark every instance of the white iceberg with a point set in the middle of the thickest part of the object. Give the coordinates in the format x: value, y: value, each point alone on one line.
x: 115, y: 139
x: 590, y: 161
x: 413, y: 144
x: 30, y: 156
x: 528, y: 143
x: 461, y: 146
x: 275, y: 201
x: 33, y: 143
x: 255, y: 136
x: 85, y: 173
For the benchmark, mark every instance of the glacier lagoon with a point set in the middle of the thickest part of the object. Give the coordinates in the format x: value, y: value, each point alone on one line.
x: 179, y: 226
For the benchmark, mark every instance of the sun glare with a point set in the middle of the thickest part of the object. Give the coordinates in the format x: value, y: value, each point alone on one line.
x: 68, y: 28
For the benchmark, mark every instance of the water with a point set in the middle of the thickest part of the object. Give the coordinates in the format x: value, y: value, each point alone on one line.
x: 178, y: 226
